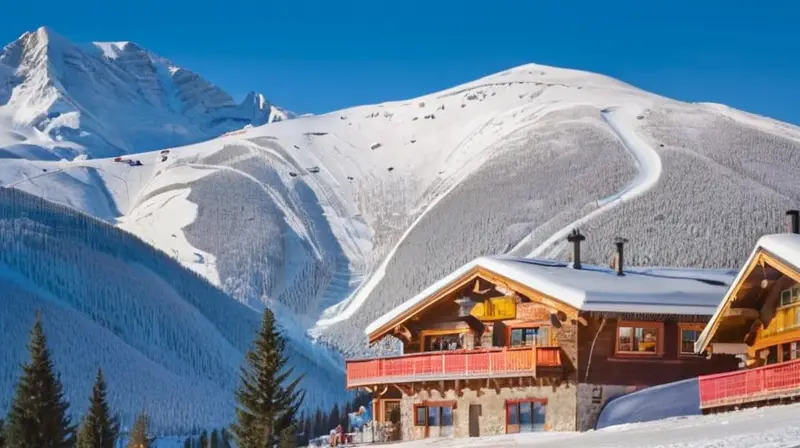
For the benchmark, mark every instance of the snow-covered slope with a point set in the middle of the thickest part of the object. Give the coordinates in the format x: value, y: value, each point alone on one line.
x: 337, y: 218
x: 767, y: 427
x: 59, y: 100
x: 168, y: 341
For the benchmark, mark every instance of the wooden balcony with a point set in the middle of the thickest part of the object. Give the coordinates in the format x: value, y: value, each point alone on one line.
x: 452, y: 365
x: 750, y: 386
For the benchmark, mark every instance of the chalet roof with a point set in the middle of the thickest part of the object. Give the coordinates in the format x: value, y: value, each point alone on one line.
x: 595, y: 288
x: 785, y: 246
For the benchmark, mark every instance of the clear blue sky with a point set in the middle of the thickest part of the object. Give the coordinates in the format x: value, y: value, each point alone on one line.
x: 318, y: 56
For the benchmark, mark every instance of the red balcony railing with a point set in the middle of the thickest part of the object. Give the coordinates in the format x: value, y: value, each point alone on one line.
x: 445, y: 365
x: 752, y: 385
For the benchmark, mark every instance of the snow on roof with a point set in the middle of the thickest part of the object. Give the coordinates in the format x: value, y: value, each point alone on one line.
x: 785, y: 246
x: 595, y: 288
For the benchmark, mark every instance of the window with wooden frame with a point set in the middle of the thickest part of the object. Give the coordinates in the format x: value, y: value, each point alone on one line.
x: 530, y: 335
x: 526, y: 415
x: 432, y: 414
x: 639, y: 338
x: 437, y: 340
x: 687, y: 336
x: 787, y: 316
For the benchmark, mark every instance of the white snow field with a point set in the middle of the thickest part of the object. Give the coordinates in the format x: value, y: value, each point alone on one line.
x: 771, y: 427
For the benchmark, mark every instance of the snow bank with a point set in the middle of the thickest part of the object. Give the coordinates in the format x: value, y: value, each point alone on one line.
x: 677, y: 399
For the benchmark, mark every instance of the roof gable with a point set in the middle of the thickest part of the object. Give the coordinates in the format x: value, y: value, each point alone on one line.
x: 780, y: 251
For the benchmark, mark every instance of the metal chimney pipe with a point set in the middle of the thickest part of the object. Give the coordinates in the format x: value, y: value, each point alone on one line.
x: 575, y: 238
x: 620, y: 243
x: 795, y: 221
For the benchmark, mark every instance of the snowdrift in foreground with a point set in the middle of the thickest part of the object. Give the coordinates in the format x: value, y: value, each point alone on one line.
x: 168, y: 341
x: 765, y: 427
x: 677, y: 399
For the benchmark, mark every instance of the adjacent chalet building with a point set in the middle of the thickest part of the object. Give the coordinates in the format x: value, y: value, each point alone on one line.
x: 506, y: 345
x: 759, y: 321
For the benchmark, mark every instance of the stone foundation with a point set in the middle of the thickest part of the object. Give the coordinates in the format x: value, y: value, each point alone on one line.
x: 559, y: 416
x: 592, y: 398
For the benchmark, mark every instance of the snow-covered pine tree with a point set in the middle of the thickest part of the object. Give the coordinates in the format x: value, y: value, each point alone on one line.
x: 267, y: 401
x: 99, y: 428
x: 214, y: 439
x: 138, y: 437
x: 226, y: 438
x: 38, y: 416
x: 203, y: 439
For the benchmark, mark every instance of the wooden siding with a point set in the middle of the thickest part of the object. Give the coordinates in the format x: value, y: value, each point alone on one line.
x: 640, y: 370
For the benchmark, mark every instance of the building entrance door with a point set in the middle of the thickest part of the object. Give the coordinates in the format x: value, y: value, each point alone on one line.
x: 474, y: 420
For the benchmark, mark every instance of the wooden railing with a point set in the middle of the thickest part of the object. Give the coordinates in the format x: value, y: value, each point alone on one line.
x: 749, y: 386
x: 456, y: 364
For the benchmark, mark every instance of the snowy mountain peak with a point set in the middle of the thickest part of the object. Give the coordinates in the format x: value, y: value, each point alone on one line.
x: 109, y: 98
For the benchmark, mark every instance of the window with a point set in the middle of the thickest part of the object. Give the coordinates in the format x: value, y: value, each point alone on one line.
x: 522, y: 337
x: 420, y: 413
x: 689, y: 333
x: 642, y: 338
x: 526, y: 415
x: 790, y: 296
x: 443, y: 342
x: 433, y: 415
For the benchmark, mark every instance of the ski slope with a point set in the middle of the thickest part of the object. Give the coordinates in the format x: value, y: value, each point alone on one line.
x: 648, y: 165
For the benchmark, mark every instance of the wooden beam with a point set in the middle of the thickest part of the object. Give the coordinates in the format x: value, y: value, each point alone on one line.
x: 747, y: 313
x: 403, y: 332
x: 381, y: 392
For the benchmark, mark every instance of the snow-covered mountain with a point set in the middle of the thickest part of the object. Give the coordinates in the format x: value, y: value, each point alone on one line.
x: 334, y: 219
x: 168, y: 341
x: 59, y: 99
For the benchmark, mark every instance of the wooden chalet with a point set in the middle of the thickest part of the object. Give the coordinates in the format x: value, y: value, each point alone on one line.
x: 758, y: 321
x: 506, y: 345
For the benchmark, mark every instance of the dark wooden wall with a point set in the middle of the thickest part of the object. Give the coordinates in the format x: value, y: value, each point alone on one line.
x: 606, y: 368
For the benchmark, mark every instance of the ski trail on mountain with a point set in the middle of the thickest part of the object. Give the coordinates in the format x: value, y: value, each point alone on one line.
x: 349, y: 306
x: 648, y: 164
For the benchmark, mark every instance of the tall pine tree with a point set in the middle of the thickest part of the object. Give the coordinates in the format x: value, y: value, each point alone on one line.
x: 204, y: 439
x: 138, y: 437
x: 267, y: 401
x: 99, y: 428
x: 214, y: 439
x: 38, y: 416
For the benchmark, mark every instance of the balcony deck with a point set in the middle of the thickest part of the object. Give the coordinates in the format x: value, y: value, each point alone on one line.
x: 452, y: 365
x: 770, y: 382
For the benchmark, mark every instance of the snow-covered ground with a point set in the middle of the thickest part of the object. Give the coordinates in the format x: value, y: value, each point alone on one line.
x: 772, y: 427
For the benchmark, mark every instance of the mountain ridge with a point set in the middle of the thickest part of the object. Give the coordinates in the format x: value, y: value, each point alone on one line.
x: 110, y: 98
